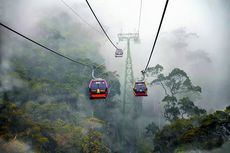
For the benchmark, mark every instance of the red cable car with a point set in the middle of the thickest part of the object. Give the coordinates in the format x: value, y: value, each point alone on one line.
x: 140, y: 89
x: 98, y: 89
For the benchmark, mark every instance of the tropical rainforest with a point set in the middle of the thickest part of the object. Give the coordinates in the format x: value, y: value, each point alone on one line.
x: 45, y: 107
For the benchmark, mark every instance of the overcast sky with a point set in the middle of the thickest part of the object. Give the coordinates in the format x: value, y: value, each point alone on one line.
x: 194, y: 37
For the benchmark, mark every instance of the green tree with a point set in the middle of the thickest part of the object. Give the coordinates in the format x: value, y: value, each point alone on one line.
x: 92, y: 143
x: 171, y: 112
x: 205, y: 132
x: 178, y: 90
x: 188, y: 108
x: 176, y: 83
x: 154, y: 71
x: 152, y: 129
x: 16, y: 124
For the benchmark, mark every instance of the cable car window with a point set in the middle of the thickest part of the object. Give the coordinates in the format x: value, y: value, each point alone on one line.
x: 102, y: 86
x: 140, y: 86
x: 98, y: 85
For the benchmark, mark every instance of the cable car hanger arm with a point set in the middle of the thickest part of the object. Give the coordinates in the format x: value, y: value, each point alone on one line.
x: 94, y: 68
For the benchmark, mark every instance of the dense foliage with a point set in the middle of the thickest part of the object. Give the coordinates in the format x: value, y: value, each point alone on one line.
x: 179, y: 91
x: 45, y: 108
x: 201, y: 132
x: 44, y: 98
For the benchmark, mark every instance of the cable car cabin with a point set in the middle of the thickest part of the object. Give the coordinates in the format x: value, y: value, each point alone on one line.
x: 98, y: 89
x: 140, y: 89
x: 119, y: 53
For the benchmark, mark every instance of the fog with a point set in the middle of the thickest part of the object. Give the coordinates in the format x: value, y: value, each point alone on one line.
x: 194, y: 37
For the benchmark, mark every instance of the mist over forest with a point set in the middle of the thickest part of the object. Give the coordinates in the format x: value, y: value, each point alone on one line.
x: 44, y: 98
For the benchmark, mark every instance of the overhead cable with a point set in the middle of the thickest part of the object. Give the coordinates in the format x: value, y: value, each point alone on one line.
x: 162, y: 17
x: 82, y: 19
x: 48, y: 49
x: 101, y: 25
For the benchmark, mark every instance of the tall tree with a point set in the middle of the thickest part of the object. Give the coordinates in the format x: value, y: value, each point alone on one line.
x: 177, y: 82
x: 188, y: 108
x: 178, y: 90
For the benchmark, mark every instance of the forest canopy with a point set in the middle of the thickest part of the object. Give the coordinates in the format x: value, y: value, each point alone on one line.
x: 45, y: 105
